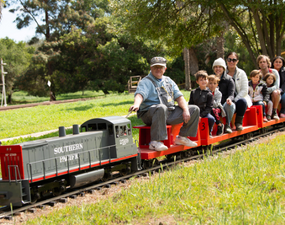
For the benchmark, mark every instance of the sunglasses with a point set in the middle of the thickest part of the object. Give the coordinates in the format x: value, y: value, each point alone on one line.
x: 231, y: 60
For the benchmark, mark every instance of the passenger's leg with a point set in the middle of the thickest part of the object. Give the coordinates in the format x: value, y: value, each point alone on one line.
x: 229, y: 109
x: 269, y: 110
x: 190, y: 128
x: 156, y: 118
x: 275, y: 97
x: 282, y: 104
x: 241, y: 106
x: 211, y: 121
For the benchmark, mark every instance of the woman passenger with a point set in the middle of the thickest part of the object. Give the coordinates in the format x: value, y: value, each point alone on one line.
x: 227, y: 88
x: 242, y: 99
x: 278, y: 64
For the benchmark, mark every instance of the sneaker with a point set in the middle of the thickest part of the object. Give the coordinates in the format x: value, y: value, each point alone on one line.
x: 220, y: 130
x: 157, y: 146
x: 184, y: 141
x: 275, y: 116
x: 282, y: 115
x: 265, y: 119
x: 268, y: 117
x: 228, y: 129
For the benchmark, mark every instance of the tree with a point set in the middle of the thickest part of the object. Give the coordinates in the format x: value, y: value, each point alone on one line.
x: 55, y: 19
x: 17, y: 57
x: 1, y: 5
x: 260, y: 24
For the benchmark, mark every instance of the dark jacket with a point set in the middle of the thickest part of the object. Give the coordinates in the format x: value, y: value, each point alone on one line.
x: 227, y: 88
x: 282, y: 79
x: 260, y: 92
x: 203, y: 99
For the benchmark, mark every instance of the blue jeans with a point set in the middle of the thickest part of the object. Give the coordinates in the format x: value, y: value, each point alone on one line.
x: 211, y: 121
x: 230, y: 110
x: 263, y: 106
x: 241, y: 106
x: 282, y: 103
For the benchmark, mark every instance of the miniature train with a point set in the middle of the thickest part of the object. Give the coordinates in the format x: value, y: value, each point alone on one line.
x: 36, y: 169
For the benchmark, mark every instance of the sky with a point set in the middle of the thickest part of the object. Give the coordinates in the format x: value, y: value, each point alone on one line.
x: 9, y: 29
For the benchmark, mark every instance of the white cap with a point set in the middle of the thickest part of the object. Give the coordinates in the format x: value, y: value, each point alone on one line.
x: 219, y: 62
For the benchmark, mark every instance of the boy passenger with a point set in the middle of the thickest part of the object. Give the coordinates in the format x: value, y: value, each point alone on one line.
x: 217, y: 109
x: 257, y: 91
x: 203, y: 98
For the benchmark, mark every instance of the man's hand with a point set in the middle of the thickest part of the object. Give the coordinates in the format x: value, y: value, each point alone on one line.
x: 134, y: 108
x: 186, y: 116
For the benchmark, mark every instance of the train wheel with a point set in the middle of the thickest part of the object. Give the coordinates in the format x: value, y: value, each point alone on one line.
x: 145, y: 164
x: 34, y: 198
x: 125, y: 171
x: 155, y: 163
x: 56, y: 192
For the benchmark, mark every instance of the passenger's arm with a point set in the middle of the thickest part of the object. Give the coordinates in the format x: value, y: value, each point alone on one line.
x: 244, y: 86
x: 183, y: 105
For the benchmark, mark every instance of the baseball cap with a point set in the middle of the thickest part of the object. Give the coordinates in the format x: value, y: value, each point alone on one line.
x: 160, y: 61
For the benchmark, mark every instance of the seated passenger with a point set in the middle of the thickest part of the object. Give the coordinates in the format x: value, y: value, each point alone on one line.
x: 269, y: 79
x: 258, y: 91
x: 227, y: 88
x: 217, y: 109
x: 154, y: 104
x: 264, y: 64
x: 203, y: 98
x: 241, y: 100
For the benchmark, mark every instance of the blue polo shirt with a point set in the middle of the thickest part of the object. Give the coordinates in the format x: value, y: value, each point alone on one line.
x: 149, y: 93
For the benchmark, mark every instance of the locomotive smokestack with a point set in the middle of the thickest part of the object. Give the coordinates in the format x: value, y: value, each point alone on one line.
x: 61, y: 131
x: 75, y: 129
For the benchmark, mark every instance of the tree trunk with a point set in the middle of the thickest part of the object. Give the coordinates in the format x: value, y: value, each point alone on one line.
x: 194, y: 64
x: 9, y: 99
x: 220, y: 46
x: 186, y: 58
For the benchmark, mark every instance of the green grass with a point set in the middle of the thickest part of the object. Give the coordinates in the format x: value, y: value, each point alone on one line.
x: 24, y: 121
x: 243, y: 188
x: 41, y: 118
x: 22, y: 97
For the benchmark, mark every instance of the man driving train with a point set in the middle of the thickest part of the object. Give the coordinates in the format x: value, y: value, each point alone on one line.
x: 154, y: 104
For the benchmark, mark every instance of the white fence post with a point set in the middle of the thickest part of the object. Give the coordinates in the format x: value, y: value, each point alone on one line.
x: 3, y: 83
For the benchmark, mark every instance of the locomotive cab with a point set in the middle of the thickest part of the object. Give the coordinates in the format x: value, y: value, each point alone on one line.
x: 119, y: 133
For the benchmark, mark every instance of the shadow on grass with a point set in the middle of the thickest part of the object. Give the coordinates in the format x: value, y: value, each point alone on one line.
x: 81, y: 108
x: 119, y: 103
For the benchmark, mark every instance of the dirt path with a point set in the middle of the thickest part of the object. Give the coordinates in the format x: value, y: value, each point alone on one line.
x: 10, y: 107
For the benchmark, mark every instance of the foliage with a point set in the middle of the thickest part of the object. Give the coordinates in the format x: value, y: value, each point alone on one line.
x: 259, y: 24
x: 17, y: 56
x: 179, y: 24
x: 243, y: 187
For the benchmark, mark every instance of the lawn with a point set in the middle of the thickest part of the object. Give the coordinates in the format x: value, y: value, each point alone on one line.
x: 22, y: 97
x: 41, y: 118
x: 245, y: 187
x: 24, y: 121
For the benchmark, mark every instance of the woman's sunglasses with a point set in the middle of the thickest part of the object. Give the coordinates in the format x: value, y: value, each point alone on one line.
x: 231, y: 60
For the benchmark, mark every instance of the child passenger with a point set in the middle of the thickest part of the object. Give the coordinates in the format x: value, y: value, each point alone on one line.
x: 257, y: 91
x: 269, y: 79
x: 217, y: 109
x: 203, y: 98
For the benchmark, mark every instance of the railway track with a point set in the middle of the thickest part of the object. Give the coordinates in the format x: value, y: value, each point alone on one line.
x: 7, y: 213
